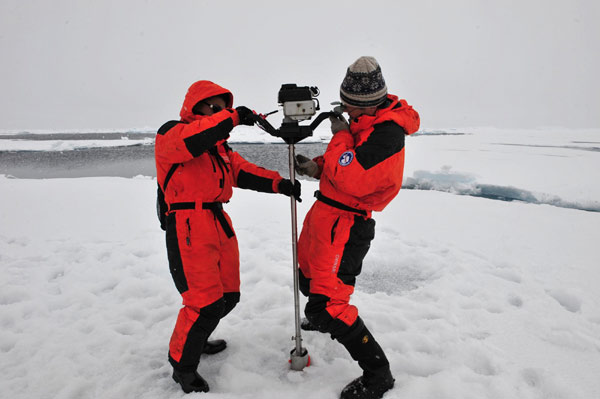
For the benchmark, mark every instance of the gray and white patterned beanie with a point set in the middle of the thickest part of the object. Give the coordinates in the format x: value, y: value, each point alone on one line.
x: 363, y: 85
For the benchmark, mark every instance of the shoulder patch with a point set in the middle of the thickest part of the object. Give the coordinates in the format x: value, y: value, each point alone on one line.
x: 346, y: 158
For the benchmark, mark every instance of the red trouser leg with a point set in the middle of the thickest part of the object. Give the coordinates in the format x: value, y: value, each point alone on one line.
x: 331, y: 249
x: 204, y: 264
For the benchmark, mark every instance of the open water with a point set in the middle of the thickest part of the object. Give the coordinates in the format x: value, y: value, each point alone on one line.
x: 130, y: 161
x: 126, y: 161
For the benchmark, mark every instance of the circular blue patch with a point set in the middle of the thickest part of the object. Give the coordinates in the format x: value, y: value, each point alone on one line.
x: 346, y: 158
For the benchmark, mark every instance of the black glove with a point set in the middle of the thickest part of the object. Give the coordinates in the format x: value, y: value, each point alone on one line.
x: 246, y: 115
x: 286, y: 188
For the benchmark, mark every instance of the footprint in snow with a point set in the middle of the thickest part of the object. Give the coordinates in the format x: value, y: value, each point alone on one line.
x: 515, y: 301
x: 568, y: 301
x: 507, y: 275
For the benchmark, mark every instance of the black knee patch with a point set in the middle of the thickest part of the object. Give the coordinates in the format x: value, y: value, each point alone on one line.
x: 303, y: 283
x: 214, y: 311
x: 231, y: 299
x: 316, y: 312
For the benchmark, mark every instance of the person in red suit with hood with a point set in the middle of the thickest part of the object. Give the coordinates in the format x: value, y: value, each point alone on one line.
x: 196, y: 172
x: 360, y: 172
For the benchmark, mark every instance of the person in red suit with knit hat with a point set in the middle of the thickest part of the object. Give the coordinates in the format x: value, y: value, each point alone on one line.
x: 196, y: 171
x: 360, y: 172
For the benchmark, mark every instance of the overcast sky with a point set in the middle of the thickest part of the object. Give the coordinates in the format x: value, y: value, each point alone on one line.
x: 111, y: 64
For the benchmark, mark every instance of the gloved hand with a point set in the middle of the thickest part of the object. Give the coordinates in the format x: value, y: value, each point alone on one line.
x: 246, y: 115
x: 305, y: 166
x: 338, y: 124
x: 286, y: 188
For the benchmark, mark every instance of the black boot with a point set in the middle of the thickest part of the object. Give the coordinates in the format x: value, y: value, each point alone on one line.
x: 216, y: 346
x: 377, y: 377
x: 190, y: 381
x: 369, y: 388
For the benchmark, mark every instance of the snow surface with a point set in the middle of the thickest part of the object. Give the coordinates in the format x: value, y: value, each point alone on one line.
x: 469, y: 297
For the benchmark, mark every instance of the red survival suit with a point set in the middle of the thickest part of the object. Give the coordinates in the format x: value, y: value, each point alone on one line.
x: 361, y: 171
x: 197, y: 170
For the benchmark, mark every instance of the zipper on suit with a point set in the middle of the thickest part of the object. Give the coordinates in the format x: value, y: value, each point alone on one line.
x: 333, y: 229
x: 220, y: 160
x: 188, y: 239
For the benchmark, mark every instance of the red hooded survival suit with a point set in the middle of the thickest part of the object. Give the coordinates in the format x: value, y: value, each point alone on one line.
x: 197, y: 170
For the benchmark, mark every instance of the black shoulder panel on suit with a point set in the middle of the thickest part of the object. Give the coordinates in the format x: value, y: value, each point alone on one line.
x: 385, y: 140
x: 167, y: 126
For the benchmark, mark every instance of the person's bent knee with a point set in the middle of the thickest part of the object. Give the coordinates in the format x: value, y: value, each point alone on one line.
x: 214, y: 310
x: 231, y: 300
x: 303, y: 283
x: 316, y: 313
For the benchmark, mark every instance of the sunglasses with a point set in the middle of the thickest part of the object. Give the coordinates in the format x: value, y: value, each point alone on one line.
x: 197, y: 110
x: 214, y: 107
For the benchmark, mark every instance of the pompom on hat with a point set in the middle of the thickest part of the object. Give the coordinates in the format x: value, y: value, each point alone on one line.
x: 363, y: 85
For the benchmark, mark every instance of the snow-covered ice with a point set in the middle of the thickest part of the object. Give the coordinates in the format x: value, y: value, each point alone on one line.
x: 469, y: 297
